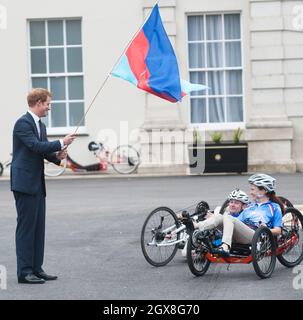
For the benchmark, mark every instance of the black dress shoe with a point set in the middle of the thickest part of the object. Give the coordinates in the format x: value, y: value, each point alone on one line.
x: 30, y: 279
x: 45, y: 276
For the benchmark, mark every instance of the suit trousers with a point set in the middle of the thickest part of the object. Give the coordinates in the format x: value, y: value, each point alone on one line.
x: 30, y: 232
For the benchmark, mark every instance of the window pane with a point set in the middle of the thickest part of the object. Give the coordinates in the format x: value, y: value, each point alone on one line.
x: 232, y: 26
x: 55, y: 33
x: 199, y: 78
x: 75, y: 85
x: 216, y: 83
x: 233, y: 54
x: 74, y: 59
x: 234, y: 82
x: 58, y: 115
x: 58, y: 88
x: 195, y: 28
x: 214, y: 27
x: 235, y: 109
x: 214, y: 55
x: 56, y: 60
x: 198, y: 110
x: 39, y: 83
x: 38, y: 60
x: 196, y: 55
x: 73, y: 32
x: 37, y: 33
x: 216, y: 110
x: 76, y: 112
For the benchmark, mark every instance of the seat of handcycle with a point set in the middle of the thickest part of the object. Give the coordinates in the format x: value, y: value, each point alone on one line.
x: 240, y: 249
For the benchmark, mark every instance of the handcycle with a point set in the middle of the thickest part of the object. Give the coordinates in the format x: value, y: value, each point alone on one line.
x: 163, y: 233
x: 159, y: 248
x: 124, y: 159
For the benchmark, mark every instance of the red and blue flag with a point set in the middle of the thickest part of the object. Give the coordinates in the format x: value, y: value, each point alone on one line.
x: 150, y: 62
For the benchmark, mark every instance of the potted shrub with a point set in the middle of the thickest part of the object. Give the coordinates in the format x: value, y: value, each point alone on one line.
x: 218, y: 156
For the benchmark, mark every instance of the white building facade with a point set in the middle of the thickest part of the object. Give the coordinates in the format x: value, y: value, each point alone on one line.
x: 250, y: 54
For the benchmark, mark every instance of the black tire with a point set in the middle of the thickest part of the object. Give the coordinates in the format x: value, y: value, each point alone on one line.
x: 196, y: 260
x: 152, y: 233
x: 286, y: 202
x: 293, y: 223
x: 125, y: 159
x: 263, y: 247
x: 224, y: 206
x: 52, y: 170
x: 1, y: 169
x: 201, y: 209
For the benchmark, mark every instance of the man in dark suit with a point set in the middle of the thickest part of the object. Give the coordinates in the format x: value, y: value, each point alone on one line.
x: 30, y: 148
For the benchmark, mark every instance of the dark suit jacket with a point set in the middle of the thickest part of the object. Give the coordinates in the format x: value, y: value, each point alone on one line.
x: 27, y: 169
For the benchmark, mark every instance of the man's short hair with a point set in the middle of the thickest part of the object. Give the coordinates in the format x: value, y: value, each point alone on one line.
x: 36, y: 95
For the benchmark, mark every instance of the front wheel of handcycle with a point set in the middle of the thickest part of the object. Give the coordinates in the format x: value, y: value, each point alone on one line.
x: 1, y: 169
x: 196, y: 258
x: 293, y: 253
x: 53, y: 170
x: 158, y: 240
x: 125, y: 159
x: 263, y: 251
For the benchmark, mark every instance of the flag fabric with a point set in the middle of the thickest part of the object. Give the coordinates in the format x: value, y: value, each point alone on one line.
x: 150, y: 62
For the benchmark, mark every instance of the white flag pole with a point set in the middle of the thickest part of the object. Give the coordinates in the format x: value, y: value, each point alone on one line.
x: 108, y: 75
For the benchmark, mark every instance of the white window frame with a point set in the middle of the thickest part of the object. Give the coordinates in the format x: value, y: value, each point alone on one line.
x: 217, y: 125
x: 58, y: 131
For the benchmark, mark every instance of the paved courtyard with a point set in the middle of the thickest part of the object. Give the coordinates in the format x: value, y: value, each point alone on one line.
x: 93, y: 241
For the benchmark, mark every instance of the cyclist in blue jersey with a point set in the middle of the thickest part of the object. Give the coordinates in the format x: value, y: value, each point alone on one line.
x: 238, y: 200
x: 266, y: 210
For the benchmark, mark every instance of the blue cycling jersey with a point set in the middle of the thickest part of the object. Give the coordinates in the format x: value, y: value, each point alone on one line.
x: 268, y: 213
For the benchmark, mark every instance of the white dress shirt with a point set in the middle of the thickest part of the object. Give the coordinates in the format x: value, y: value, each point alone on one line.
x: 36, y: 119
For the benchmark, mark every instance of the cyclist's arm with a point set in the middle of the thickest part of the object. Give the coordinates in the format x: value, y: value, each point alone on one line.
x: 277, y: 222
x: 276, y: 231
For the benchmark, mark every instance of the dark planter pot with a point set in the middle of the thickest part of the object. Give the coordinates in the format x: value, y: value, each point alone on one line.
x: 214, y: 158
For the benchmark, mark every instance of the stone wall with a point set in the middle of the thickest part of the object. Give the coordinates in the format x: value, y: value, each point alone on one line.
x: 273, y: 129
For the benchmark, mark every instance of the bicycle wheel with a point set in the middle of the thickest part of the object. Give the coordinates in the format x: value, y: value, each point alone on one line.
x: 158, y: 244
x: 292, y: 223
x: 1, y: 169
x: 196, y: 258
x: 52, y: 170
x: 125, y: 159
x: 263, y: 250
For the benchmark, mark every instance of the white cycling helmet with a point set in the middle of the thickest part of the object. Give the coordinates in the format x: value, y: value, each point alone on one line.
x: 239, y: 195
x: 263, y: 180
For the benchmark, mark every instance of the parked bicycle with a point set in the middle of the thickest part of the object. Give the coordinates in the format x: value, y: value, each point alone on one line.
x: 51, y: 169
x: 124, y: 159
x: 5, y: 165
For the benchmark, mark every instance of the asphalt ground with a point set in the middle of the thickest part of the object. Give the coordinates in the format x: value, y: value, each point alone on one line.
x: 93, y: 242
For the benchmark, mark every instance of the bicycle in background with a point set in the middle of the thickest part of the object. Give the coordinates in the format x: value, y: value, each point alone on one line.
x: 5, y: 165
x: 124, y: 159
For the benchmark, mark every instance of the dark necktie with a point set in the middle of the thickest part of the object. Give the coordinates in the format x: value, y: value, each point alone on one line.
x: 41, y: 128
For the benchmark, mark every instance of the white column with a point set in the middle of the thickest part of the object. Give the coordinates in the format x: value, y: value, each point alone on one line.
x: 269, y: 130
x: 163, y: 135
